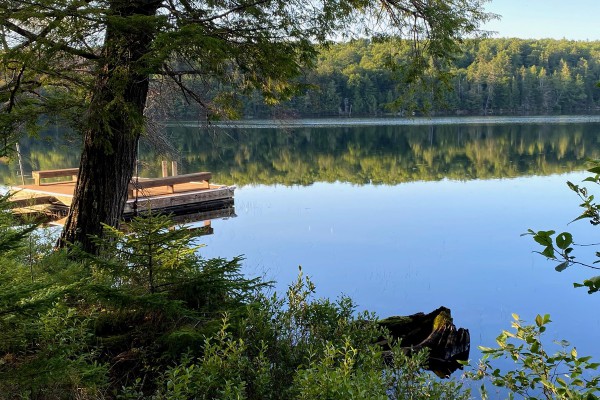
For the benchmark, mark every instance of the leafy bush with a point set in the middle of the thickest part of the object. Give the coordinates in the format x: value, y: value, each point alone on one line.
x: 297, y: 347
x: 83, y: 326
x: 561, y: 375
x: 559, y: 248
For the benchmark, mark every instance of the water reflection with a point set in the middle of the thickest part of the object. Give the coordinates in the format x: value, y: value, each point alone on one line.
x: 360, y: 155
x: 386, y: 155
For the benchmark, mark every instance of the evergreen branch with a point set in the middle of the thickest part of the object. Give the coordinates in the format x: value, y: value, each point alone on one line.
x: 233, y: 10
x: 13, y: 92
x: 185, y: 91
x: 40, y: 38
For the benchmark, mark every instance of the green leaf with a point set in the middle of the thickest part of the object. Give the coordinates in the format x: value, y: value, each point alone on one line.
x: 577, y: 382
x: 562, y: 266
x: 593, y: 284
x: 582, y: 216
x: 549, y: 252
x: 544, y: 238
x: 561, y: 382
x: 547, y: 318
x: 539, y: 320
x: 594, y: 170
x: 572, y: 186
x: 564, y: 240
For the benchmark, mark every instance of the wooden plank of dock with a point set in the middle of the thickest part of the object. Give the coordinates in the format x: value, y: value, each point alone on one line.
x: 185, y: 196
x: 62, y: 192
x: 159, y: 200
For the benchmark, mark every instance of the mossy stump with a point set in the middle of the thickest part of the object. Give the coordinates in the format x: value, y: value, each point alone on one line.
x: 447, y: 345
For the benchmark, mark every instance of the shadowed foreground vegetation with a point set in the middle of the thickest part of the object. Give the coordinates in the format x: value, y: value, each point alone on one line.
x: 149, y: 318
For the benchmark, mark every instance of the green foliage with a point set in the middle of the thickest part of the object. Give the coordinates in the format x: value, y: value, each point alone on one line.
x: 94, y: 328
x: 12, y: 235
x: 158, y: 297
x: 405, y: 378
x: 296, y: 347
x: 296, y: 330
x: 487, y: 76
x: 221, y: 373
x: 561, y: 375
x: 94, y: 65
x: 342, y: 372
x: 47, y: 342
x: 85, y: 328
x: 147, y: 253
x: 560, y: 248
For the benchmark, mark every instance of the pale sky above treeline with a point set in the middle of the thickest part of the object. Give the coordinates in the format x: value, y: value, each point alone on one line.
x: 538, y: 19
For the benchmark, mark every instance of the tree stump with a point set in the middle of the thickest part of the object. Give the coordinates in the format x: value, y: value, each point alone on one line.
x: 434, y: 331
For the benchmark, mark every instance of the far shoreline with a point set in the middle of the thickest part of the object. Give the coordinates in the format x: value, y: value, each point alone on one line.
x: 389, y: 121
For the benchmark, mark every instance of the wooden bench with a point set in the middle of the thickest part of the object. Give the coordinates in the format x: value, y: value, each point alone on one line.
x: 54, y: 173
x: 168, y: 181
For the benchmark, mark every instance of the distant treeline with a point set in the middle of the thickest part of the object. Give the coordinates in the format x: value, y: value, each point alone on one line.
x: 491, y: 76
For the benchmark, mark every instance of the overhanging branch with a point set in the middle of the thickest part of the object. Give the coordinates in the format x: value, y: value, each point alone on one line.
x: 40, y: 38
x: 187, y: 92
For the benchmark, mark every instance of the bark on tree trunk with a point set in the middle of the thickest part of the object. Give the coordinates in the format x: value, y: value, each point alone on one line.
x: 113, y: 125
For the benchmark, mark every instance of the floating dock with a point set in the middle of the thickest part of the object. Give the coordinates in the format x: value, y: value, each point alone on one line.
x: 181, y: 194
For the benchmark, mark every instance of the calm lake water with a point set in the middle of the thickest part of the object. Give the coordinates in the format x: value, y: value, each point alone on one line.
x: 402, y: 218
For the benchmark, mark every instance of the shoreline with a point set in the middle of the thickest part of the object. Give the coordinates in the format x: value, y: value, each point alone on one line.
x: 391, y: 121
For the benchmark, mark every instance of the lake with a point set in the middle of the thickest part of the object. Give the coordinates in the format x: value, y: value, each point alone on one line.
x: 402, y: 217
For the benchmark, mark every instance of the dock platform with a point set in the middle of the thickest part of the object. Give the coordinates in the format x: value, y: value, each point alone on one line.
x: 179, y: 194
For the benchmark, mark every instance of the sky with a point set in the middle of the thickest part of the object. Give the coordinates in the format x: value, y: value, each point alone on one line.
x: 538, y: 19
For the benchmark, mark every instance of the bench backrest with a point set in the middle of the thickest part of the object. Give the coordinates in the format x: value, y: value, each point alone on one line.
x: 54, y: 173
x: 170, y: 180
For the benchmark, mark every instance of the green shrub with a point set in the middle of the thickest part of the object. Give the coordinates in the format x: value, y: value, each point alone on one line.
x: 297, y: 347
x: 560, y: 248
x: 561, y: 375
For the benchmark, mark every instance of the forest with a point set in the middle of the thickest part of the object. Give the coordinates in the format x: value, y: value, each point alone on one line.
x: 488, y: 77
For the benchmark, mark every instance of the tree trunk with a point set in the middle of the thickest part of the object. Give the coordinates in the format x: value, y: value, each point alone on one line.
x: 113, y: 124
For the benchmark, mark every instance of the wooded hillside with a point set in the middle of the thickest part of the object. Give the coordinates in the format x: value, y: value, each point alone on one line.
x: 491, y: 76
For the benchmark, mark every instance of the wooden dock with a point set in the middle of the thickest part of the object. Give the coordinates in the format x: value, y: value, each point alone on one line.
x: 180, y: 194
